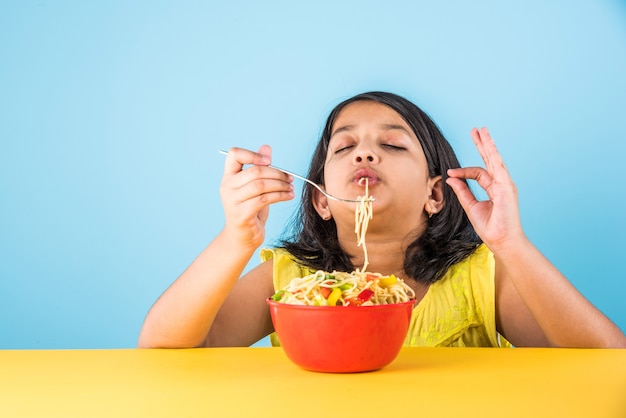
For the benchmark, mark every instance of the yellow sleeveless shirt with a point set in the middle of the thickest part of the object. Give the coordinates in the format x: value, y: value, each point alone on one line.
x: 457, y: 311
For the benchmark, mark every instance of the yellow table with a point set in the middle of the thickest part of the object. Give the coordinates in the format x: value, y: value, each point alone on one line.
x: 251, y: 382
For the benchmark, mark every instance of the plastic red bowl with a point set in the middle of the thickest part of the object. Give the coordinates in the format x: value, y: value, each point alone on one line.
x: 341, y: 339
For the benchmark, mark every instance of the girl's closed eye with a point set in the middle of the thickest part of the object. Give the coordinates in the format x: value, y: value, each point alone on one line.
x: 343, y: 148
x: 394, y: 147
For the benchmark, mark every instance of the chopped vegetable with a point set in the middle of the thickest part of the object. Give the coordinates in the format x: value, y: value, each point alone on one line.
x: 334, y: 296
x: 387, y: 281
x: 354, y: 302
x: 365, y: 295
x: 279, y: 295
x: 319, y: 301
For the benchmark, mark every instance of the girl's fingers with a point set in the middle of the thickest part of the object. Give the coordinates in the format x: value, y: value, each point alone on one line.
x: 480, y: 175
x: 489, y: 153
x: 238, y: 157
x: 257, y: 184
x: 263, y: 177
x: 267, y: 190
x: 463, y: 193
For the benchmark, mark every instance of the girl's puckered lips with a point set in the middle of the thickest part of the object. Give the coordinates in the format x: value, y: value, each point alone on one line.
x: 367, y: 173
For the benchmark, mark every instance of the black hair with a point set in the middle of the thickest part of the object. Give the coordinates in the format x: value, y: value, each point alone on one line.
x: 449, y: 237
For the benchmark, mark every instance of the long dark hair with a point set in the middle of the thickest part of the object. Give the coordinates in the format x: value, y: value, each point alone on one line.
x: 449, y: 236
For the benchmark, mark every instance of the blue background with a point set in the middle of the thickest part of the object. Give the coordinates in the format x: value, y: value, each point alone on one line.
x: 112, y: 114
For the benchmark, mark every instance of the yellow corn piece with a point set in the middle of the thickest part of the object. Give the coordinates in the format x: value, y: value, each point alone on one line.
x: 387, y: 281
x: 334, y: 296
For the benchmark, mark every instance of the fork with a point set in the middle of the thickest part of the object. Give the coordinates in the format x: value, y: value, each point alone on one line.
x: 317, y: 186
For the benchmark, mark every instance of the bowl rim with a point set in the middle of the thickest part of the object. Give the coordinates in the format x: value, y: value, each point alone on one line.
x: 272, y: 302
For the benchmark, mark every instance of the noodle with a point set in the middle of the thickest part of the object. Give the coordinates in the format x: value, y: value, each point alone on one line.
x: 356, y: 288
x: 348, y: 289
x: 362, y: 216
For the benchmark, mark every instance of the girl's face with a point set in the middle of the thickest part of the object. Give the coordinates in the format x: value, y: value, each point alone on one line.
x: 370, y: 140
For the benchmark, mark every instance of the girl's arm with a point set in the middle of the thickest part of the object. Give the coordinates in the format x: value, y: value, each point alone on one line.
x: 184, y: 315
x: 536, y: 304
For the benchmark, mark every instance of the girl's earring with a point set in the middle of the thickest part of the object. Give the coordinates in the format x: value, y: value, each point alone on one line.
x: 327, y: 217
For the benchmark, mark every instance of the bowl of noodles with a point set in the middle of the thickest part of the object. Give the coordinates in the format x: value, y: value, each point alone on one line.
x: 342, y: 322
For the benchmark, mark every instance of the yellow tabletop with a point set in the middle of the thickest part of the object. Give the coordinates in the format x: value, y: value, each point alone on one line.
x: 252, y: 382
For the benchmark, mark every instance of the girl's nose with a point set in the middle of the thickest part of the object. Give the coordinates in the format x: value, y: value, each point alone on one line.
x: 365, y: 154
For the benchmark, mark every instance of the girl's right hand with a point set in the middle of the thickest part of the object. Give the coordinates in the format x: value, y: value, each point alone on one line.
x: 247, y: 193
x: 497, y: 219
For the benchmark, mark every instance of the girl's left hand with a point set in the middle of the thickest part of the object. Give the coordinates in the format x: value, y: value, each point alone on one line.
x: 496, y: 220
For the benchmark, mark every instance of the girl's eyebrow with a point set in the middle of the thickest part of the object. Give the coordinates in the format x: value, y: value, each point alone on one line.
x: 383, y: 126
x: 345, y: 128
x: 392, y: 126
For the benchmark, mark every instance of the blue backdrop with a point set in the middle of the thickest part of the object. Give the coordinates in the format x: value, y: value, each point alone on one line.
x: 112, y: 114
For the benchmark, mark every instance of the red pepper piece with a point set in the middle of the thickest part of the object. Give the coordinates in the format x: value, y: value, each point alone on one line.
x: 365, y: 295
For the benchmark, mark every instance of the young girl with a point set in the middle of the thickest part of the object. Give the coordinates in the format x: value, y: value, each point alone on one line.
x: 475, y: 274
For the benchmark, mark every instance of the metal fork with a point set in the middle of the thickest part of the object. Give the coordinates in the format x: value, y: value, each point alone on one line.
x: 317, y: 186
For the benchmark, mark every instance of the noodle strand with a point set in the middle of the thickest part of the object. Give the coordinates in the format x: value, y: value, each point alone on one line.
x: 362, y: 216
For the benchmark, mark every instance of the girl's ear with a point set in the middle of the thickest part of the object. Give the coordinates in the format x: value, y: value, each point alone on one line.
x: 320, y: 203
x: 435, y: 200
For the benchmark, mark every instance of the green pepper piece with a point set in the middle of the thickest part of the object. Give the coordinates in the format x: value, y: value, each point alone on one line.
x: 278, y: 295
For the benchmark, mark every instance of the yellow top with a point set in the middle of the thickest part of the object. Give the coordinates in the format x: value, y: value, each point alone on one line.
x: 457, y: 311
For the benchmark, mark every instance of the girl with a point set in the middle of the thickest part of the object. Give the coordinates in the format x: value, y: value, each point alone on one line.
x: 475, y: 274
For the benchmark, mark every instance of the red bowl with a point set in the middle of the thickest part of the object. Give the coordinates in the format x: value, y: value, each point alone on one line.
x: 341, y: 339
